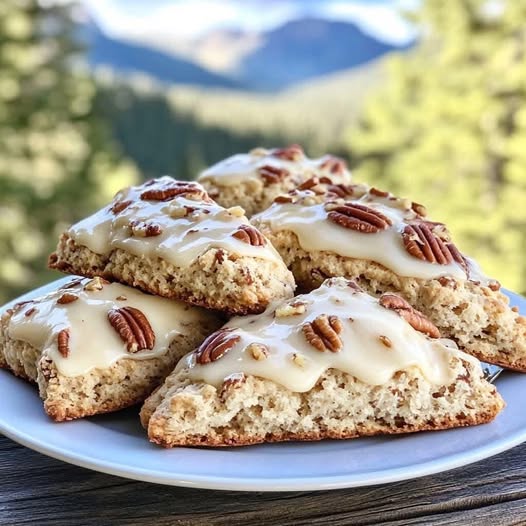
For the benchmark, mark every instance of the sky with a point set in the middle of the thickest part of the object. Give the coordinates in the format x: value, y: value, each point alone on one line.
x: 192, y: 18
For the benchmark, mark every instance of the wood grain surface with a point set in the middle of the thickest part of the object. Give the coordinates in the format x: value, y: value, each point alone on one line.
x: 35, y: 489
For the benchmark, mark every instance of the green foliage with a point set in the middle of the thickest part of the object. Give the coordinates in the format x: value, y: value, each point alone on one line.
x: 55, y: 162
x: 449, y: 129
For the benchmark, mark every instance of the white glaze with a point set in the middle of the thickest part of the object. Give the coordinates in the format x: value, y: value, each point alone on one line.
x: 183, y: 239
x: 94, y: 343
x: 363, y: 354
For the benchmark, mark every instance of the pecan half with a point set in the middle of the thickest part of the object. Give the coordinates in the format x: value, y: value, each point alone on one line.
x: 63, y: 342
x: 424, y: 240
x: 272, y: 174
x: 334, y: 165
x: 216, y: 346
x: 133, y: 327
x: 359, y: 217
x: 294, y: 152
x: 66, y: 298
x: 414, y: 317
x: 249, y: 234
x: 170, y: 190
x: 119, y: 206
x: 145, y: 229
x: 323, y: 333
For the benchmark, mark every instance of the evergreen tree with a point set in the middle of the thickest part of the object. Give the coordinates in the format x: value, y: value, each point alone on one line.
x: 56, y: 161
x: 449, y: 129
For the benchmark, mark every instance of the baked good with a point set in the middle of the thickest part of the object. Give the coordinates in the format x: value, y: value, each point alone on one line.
x: 252, y: 180
x: 335, y: 363
x: 169, y: 238
x: 389, y: 244
x: 95, y: 347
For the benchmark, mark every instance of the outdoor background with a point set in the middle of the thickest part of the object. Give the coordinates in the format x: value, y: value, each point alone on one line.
x: 425, y: 98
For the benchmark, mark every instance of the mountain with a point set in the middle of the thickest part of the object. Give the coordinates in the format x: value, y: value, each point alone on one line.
x: 308, y: 48
x: 130, y: 57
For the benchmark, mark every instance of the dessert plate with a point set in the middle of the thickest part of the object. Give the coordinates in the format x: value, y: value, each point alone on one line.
x: 117, y: 444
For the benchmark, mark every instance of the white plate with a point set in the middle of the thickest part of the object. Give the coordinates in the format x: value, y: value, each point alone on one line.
x: 117, y: 444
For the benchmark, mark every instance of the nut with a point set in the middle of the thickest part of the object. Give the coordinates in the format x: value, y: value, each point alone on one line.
x: 419, y: 209
x: 378, y: 193
x: 292, y: 309
x: 272, y: 174
x: 284, y: 199
x: 323, y: 333
x: 294, y: 152
x: 341, y: 190
x: 121, y: 298
x: 169, y: 190
x: 145, y: 229
x: 119, y: 206
x: 232, y: 381
x: 97, y: 283
x: 63, y: 342
x: 298, y: 359
x: 249, y: 234
x: 66, y: 298
x: 258, y: 351
x: 30, y: 312
x: 72, y: 283
x: 334, y: 165
x: 314, y: 182
x: 385, y: 340
x: 133, y: 327
x: 360, y: 218
x: 216, y: 346
x: 236, y: 211
x: 415, y: 318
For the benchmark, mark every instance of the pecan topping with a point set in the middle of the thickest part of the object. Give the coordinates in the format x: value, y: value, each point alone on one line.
x: 341, y: 190
x: 170, y: 190
x: 233, y: 381
x: 292, y: 309
x: 323, y: 333
x: 249, y: 234
x: 428, y: 241
x: 284, y: 199
x: 72, y: 283
x: 215, y: 346
x: 30, y: 312
x: 378, y: 193
x: 294, y: 152
x: 66, y: 298
x: 314, y: 181
x: 272, y: 174
x: 359, y: 217
x: 415, y: 318
x: 419, y: 209
x: 145, y: 229
x: 258, y: 351
x: 63, y: 342
x: 133, y: 327
x: 385, y: 340
x: 334, y: 165
x: 97, y: 283
x: 119, y: 206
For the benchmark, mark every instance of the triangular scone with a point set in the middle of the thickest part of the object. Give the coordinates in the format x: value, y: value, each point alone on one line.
x: 169, y: 238
x: 95, y: 347
x: 335, y: 363
x: 323, y: 230
x: 252, y: 180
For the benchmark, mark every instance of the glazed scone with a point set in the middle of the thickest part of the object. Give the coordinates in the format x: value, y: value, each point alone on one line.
x: 95, y: 347
x: 169, y: 238
x: 336, y: 363
x: 252, y: 180
x: 324, y: 230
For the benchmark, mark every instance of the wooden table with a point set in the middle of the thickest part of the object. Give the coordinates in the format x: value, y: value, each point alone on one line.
x: 35, y: 489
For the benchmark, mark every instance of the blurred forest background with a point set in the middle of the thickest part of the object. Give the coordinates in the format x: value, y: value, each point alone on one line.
x: 441, y: 119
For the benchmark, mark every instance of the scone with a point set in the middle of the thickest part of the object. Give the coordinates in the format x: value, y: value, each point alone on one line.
x: 325, y: 229
x: 336, y: 363
x: 95, y: 347
x: 252, y: 180
x: 169, y: 238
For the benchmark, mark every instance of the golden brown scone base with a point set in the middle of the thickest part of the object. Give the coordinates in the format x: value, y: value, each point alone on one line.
x: 123, y: 384
x: 478, y: 318
x: 182, y: 413
x: 216, y: 280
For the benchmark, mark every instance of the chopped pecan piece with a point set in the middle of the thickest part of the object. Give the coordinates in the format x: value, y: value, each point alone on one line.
x: 119, y: 206
x: 284, y: 199
x: 249, y: 234
x: 323, y: 333
x: 314, y: 181
x: 385, y: 340
x: 133, y: 327
x: 233, y: 381
x: 414, y: 317
x: 429, y: 242
x: 359, y: 217
x: 258, y: 351
x: 63, y: 342
x: 334, y: 165
x: 66, y: 298
x: 145, y: 229
x: 378, y: 193
x: 419, y: 209
x: 72, y: 283
x: 294, y: 152
x: 30, y: 312
x: 293, y: 309
x: 97, y: 283
x: 216, y: 346
x: 272, y: 174
x: 170, y: 190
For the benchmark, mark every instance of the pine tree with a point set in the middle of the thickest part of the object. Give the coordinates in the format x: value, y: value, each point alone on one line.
x: 449, y: 128
x: 56, y: 159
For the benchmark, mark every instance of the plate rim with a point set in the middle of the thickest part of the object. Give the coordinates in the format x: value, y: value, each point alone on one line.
x: 262, y: 484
